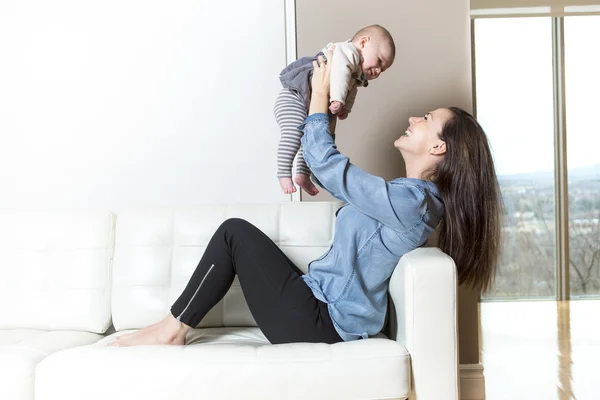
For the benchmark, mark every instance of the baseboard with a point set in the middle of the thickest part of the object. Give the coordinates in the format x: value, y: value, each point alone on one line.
x: 472, y: 382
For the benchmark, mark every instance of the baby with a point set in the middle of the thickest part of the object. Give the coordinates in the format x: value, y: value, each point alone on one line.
x: 355, y: 62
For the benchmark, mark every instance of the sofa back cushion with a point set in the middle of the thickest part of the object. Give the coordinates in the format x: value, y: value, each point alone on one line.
x: 157, y: 250
x: 55, y: 270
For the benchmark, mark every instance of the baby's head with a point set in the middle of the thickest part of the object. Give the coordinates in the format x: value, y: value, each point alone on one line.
x: 377, y: 49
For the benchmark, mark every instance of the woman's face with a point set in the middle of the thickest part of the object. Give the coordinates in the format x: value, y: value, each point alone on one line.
x: 422, y: 135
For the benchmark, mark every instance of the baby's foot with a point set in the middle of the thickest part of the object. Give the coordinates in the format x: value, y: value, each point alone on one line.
x: 305, y: 183
x: 287, y: 185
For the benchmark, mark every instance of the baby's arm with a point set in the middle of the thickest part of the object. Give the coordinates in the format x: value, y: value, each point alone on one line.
x: 345, y: 62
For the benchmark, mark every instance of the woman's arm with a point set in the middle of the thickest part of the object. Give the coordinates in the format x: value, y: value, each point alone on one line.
x: 319, y: 101
x: 395, y: 205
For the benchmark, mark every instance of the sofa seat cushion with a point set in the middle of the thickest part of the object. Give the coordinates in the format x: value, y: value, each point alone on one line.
x: 228, y: 363
x: 22, y: 350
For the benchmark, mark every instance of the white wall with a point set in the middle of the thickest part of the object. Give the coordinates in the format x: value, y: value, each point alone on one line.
x: 126, y: 103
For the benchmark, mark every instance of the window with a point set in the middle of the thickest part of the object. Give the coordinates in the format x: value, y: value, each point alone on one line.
x: 582, y: 79
x: 514, y: 98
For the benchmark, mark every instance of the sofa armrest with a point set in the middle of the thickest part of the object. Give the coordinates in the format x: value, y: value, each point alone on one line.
x: 423, y: 317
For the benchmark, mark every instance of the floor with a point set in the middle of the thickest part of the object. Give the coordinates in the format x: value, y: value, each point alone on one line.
x: 541, y: 350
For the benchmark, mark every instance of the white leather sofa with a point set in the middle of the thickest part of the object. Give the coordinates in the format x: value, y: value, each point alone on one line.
x: 64, y: 277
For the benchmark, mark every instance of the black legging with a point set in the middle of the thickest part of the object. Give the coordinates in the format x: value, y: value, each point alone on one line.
x: 283, y: 306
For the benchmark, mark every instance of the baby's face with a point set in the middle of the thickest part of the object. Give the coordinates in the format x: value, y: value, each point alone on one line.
x: 377, y: 57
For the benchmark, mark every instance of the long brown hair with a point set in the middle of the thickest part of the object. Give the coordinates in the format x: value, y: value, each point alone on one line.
x: 466, y: 179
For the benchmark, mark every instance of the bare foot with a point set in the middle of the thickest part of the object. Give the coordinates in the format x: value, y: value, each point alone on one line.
x: 168, y: 331
x: 149, y: 328
x: 287, y: 185
x: 305, y: 183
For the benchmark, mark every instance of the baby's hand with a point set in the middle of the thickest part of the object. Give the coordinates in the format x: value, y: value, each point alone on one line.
x: 335, y: 107
x: 342, y: 114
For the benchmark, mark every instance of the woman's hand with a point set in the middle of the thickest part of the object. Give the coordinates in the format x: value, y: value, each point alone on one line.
x: 319, y: 101
x: 321, y: 73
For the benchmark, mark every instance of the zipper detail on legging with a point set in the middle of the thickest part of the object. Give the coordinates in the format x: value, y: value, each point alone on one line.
x: 195, y: 293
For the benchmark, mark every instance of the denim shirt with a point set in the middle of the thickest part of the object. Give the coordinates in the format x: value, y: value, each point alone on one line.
x: 380, y: 222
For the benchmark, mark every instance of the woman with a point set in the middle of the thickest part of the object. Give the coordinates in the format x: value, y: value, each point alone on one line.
x: 450, y: 181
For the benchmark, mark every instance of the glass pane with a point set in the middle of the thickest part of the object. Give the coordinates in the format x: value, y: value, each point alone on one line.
x: 513, y: 64
x: 582, y: 79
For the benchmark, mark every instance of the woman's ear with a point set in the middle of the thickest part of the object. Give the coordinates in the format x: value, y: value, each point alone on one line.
x: 438, y: 149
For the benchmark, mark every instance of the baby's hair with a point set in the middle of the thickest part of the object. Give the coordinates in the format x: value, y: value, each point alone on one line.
x: 379, y: 33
